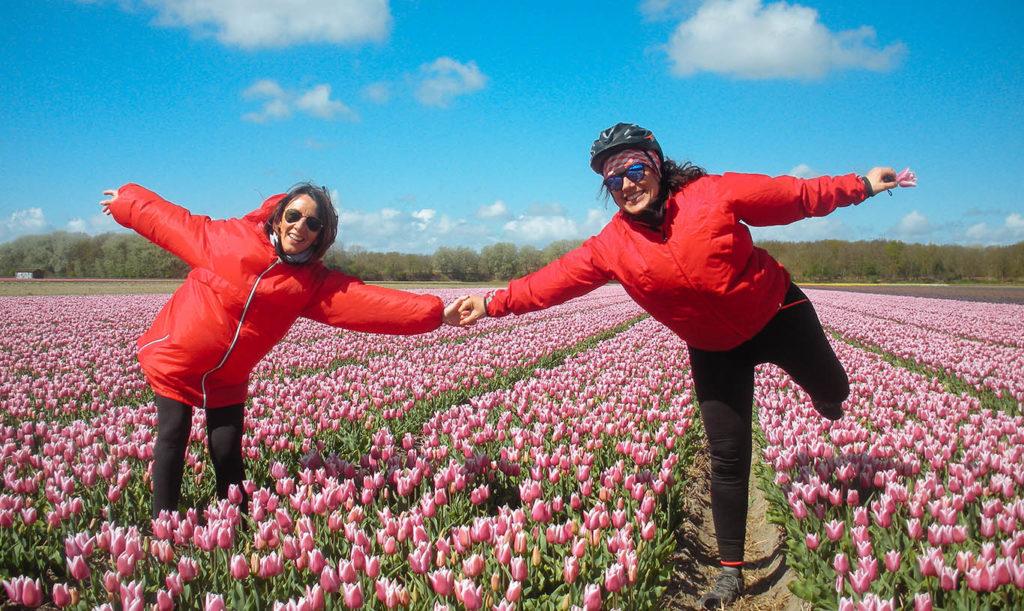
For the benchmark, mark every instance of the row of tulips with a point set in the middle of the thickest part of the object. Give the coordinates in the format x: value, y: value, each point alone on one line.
x: 980, y: 345
x: 526, y: 461
x: 916, y: 498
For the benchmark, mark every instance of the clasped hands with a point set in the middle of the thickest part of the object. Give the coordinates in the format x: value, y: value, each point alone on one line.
x: 464, y: 311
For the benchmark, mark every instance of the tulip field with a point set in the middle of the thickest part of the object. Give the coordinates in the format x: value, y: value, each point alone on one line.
x: 530, y: 462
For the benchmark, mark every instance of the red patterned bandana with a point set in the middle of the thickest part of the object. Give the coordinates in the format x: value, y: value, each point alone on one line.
x: 618, y: 162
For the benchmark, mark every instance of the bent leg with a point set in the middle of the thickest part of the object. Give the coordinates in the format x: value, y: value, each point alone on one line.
x: 795, y: 341
x: 173, y: 424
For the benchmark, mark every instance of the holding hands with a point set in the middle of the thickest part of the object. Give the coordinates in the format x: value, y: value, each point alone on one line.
x: 464, y: 311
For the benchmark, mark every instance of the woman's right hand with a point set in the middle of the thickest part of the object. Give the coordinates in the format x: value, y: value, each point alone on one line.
x: 106, y: 203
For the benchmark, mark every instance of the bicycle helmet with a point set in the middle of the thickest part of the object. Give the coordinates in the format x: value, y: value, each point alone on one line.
x: 619, y: 137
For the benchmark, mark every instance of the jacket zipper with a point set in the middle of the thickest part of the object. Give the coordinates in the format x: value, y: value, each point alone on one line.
x: 238, y: 329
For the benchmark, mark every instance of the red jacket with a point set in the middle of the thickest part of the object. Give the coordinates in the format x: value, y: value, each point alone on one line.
x: 239, y: 300
x: 701, y: 274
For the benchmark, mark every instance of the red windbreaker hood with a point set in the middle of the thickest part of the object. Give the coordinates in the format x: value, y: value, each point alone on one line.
x: 261, y: 214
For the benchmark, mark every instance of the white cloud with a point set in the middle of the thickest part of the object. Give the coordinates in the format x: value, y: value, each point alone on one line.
x: 595, y: 222
x: 422, y: 231
x: 1011, y: 232
x: 540, y: 230
x: 749, y: 39
x: 254, y: 24
x: 913, y: 224
x: 97, y: 223
x: 279, y: 104
x: 804, y: 171
x: 23, y: 222
x: 445, y: 79
x: 497, y: 211
x: 807, y: 230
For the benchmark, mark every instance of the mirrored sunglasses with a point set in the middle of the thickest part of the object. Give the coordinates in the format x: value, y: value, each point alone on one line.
x: 635, y: 173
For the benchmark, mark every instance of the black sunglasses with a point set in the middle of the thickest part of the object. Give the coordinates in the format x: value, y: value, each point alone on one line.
x: 635, y: 173
x: 293, y: 216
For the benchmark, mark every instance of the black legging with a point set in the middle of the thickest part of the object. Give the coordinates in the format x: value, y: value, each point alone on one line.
x: 223, y: 440
x: 724, y: 382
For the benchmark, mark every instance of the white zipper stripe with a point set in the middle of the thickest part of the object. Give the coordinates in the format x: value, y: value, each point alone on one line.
x: 238, y: 330
x: 148, y: 344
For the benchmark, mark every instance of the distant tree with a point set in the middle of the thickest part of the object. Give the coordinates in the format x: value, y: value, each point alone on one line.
x: 461, y: 264
x: 498, y: 261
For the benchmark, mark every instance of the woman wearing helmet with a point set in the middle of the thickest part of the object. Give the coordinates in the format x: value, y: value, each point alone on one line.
x: 680, y: 247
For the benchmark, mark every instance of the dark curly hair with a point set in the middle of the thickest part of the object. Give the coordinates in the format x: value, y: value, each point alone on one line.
x: 324, y: 211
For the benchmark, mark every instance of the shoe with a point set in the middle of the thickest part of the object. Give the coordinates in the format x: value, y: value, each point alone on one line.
x: 833, y: 410
x: 727, y: 589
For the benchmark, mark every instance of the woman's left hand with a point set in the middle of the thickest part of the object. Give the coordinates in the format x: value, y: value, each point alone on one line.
x: 106, y: 203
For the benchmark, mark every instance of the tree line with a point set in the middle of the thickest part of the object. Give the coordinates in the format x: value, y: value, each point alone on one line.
x: 123, y: 255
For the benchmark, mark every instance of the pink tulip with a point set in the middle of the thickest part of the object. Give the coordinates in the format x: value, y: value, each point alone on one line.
x: 347, y: 571
x: 353, y: 595
x: 570, y: 568
x: 372, y: 566
x: 892, y: 561
x: 214, y: 602
x: 239, y: 567
x: 187, y: 568
x: 614, y: 577
x: 906, y: 178
x: 592, y: 597
x: 174, y: 584
x: 860, y: 581
x: 840, y: 563
x: 514, y: 592
x: 62, y: 595
x: 834, y: 529
x: 442, y: 581
x: 517, y: 568
x: 471, y: 595
x: 164, y: 600
x: 923, y: 602
x: 329, y: 580
x: 473, y: 565
x: 78, y: 568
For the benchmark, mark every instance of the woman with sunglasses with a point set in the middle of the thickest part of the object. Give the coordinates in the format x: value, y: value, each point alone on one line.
x: 251, y: 278
x: 680, y: 247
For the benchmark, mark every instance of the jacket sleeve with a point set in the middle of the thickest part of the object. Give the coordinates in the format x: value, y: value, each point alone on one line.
x: 574, y: 274
x: 344, y: 301
x: 167, y: 225
x: 762, y: 200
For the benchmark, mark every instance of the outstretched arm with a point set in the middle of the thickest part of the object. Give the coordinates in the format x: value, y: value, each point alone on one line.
x: 167, y: 225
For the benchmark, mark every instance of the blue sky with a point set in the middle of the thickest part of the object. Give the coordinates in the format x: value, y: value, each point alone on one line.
x: 469, y: 123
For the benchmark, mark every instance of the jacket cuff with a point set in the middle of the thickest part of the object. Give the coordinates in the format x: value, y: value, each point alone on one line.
x: 867, y: 187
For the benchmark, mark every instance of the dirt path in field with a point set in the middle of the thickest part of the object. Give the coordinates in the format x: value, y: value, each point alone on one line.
x: 696, y: 562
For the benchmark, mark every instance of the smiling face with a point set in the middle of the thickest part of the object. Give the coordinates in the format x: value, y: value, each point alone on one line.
x: 296, y: 236
x: 635, y: 196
